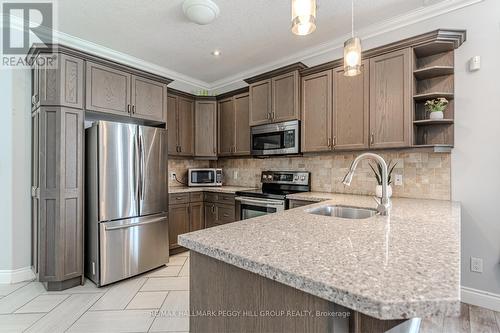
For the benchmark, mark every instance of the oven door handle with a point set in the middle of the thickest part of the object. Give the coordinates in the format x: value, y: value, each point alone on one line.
x: 265, y: 203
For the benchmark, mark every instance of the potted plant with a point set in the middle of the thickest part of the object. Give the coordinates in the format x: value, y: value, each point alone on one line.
x: 378, y: 175
x: 436, y: 107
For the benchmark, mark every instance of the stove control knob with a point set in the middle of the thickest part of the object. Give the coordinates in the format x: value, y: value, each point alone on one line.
x: 302, y: 177
x: 296, y: 178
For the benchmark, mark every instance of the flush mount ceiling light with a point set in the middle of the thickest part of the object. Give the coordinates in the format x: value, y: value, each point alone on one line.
x: 352, y: 51
x: 216, y: 53
x: 303, y: 17
x: 200, y: 11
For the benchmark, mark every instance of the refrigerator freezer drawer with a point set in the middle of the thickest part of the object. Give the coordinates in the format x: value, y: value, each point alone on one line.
x: 132, y: 246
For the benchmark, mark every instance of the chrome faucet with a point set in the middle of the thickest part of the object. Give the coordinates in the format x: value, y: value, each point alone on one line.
x: 384, y: 204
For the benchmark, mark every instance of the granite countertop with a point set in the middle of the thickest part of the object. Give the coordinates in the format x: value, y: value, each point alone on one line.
x: 216, y: 189
x: 390, y: 267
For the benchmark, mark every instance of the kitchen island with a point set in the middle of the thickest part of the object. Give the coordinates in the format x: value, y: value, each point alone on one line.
x: 381, y: 270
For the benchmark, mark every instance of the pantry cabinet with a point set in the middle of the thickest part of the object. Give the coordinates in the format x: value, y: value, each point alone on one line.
x: 60, y: 84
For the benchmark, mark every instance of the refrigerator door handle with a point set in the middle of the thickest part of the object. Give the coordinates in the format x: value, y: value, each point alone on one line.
x: 137, y: 166
x: 129, y: 225
x: 141, y: 149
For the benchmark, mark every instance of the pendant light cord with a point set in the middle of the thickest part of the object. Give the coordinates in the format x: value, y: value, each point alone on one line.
x: 352, y: 18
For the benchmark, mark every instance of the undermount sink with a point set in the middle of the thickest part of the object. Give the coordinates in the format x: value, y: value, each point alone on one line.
x: 345, y: 212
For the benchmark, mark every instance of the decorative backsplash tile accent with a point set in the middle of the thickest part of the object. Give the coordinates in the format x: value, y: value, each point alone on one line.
x: 180, y: 167
x: 425, y: 175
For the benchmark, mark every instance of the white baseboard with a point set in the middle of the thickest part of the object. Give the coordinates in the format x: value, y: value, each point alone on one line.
x: 480, y: 298
x: 16, y: 275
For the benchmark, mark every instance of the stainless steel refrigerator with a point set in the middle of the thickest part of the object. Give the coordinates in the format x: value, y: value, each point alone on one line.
x: 126, y: 226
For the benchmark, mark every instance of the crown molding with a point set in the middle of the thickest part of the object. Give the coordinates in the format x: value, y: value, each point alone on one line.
x: 187, y: 83
x: 392, y: 24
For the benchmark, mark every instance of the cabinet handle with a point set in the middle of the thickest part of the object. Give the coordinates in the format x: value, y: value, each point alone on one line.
x: 213, y: 209
x: 273, y: 114
x: 128, y: 108
x: 334, y: 140
x: 133, y: 109
x: 328, y: 143
x: 372, y: 138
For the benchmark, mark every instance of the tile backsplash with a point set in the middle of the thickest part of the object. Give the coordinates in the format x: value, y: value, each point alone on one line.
x: 180, y: 167
x: 425, y: 175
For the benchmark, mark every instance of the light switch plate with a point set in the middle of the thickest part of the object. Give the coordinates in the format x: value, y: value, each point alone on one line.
x: 398, y: 180
x: 173, y: 175
x: 235, y: 174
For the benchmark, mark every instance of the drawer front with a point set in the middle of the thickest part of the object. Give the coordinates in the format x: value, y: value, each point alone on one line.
x: 178, y: 198
x: 211, y: 197
x: 196, y: 196
x: 226, y: 198
x: 225, y: 214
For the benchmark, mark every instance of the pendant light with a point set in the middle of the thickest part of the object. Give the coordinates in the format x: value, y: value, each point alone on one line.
x: 303, y: 17
x: 352, y: 51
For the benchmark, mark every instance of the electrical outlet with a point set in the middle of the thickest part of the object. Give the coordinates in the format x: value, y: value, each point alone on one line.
x: 173, y: 175
x: 476, y: 265
x: 235, y: 174
x: 398, y: 180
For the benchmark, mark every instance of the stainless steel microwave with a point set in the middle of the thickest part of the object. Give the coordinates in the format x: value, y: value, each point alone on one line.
x: 276, y: 139
x: 205, y: 177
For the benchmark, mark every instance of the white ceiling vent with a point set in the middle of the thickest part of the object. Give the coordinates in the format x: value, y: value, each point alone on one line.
x: 200, y: 11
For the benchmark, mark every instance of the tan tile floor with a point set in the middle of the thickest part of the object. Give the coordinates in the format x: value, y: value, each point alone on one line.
x: 128, y: 306
x: 156, y: 301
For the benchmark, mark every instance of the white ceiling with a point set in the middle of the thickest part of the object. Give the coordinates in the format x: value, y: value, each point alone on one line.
x: 250, y: 34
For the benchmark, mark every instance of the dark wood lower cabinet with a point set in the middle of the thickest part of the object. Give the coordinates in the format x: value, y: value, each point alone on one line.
x: 178, y: 223
x: 258, y: 304
x: 196, y: 216
x: 195, y: 211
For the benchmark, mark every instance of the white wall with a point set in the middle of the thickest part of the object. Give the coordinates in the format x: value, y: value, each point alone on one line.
x: 15, y: 138
x: 6, y: 170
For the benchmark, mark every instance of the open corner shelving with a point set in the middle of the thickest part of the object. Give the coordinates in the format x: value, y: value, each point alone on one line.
x: 433, y: 77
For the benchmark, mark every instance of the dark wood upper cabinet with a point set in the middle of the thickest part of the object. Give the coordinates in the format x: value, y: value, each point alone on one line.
x: 285, y: 97
x: 275, y: 99
x: 351, y: 107
x: 117, y: 92
x: 148, y: 98
x: 172, y: 126
x: 226, y: 126
x: 260, y: 102
x: 390, y: 99
x: 60, y: 86
x: 242, y: 128
x: 185, y: 116
x: 205, y: 129
x: 317, y: 112
x: 180, y: 125
x: 107, y: 89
